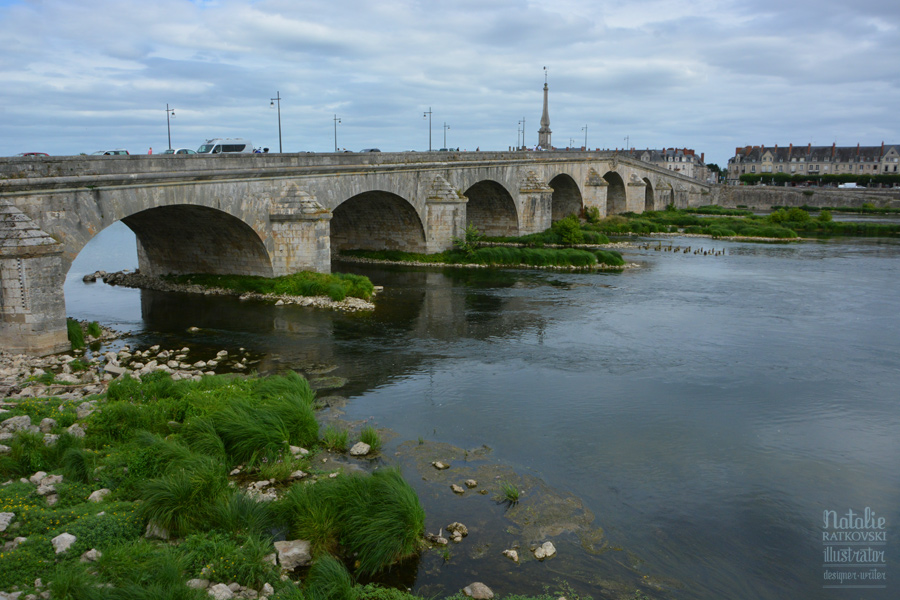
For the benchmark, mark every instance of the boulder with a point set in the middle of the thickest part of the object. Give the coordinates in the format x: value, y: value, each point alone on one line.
x: 98, y: 495
x: 479, y: 591
x: 47, y: 425
x: 76, y: 430
x: 457, y: 527
x: 512, y: 555
x: 62, y: 542
x: 360, y: 449
x: 92, y: 555
x: 198, y: 584
x: 471, y: 483
x: 440, y: 466
x: 293, y: 554
x: 5, y: 519
x: 13, y: 424
x: 457, y: 489
x: 545, y: 550
x: 5, y: 449
x: 220, y: 591
x: 155, y: 531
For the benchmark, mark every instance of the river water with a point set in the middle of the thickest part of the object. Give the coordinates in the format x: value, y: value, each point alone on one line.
x: 706, y: 409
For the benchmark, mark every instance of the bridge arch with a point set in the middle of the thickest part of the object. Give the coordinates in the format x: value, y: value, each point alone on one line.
x: 567, y: 198
x: 186, y: 238
x: 377, y: 220
x: 616, y: 202
x: 491, y: 209
x: 649, y: 198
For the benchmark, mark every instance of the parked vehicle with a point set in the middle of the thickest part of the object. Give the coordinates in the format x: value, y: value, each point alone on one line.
x: 179, y: 151
x: 370, y: 150
x: 116, y: 152
x: 32, y: 154
x: 226, y: 146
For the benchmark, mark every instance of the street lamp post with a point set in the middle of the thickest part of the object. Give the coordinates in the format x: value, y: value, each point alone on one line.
x: 446, y: 127
x: 277, y: 99
x: 584, y: 129
x: 336, y: 121
x: 169, y: 111
x: 427, y: 114
x: 522, y: 123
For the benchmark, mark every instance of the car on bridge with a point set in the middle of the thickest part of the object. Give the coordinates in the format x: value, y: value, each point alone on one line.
x: 179, y: 151
x: 32, y: 154
x: 116, y: 152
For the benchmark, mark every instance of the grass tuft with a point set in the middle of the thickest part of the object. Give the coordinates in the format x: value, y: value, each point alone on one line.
x: 76, y: 334
x: 508, y: 493
x: 370, y: 436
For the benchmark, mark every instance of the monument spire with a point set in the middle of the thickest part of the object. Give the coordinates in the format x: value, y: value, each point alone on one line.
x: 544, y: 132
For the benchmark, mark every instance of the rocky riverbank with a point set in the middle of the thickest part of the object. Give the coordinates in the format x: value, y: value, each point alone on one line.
x: 146, y: 282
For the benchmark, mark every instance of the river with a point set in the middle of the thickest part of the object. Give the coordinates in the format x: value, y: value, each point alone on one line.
x: 706, y: 409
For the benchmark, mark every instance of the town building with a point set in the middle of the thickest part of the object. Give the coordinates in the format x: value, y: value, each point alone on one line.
x: 814, y: 160
x: 680, y: 160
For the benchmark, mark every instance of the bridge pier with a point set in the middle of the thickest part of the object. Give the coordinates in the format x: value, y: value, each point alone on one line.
x: 595, y: 192
x: 635, y: 195
x: 300, y: 233
x: 32, y: 304
x: 445, y: 216
x: 536, y: 200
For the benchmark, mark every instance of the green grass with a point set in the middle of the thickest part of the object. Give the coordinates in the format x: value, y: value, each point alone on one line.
x: 76, y: 334
x: 335, y: 439
x: 370, y: 436
x: 508, y: 493
x: 329, y: 580
x: 504, y: 256
x: 177, y: 478
x: 336, y: 286
x: 94, y: 329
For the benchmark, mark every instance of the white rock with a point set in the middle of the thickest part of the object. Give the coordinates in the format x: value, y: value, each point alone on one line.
x: 440, y: 466
x: 220, y: 591
x: 267, y: 589
x: 76, y: 430
x: 200, y: 364
x: 47, y: 425
x: 512, y: 555
x: 478, y: 591
x: 360, y: 449
x: 457, y: 489
x: 154, y: 531
x: 297, y: 475
x: 14, y: 424
x: 92, y: 555
x: 38, y: 477
x: 98, y: 495
x: 295, y: 450
x: 5, y: 449
x: 545, y: 550
x: 5, y: 519
x: 471, y: 483
x: 62, y: 542
x: 293, y: 554
x: 198, y: 584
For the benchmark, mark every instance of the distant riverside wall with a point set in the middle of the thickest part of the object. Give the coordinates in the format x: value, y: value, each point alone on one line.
x: 764, y: 197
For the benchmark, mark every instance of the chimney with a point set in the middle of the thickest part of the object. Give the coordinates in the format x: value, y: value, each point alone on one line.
x: 809, y: 148
x: 790, y: 151
x: 882, y: 151
x: 702, y: 154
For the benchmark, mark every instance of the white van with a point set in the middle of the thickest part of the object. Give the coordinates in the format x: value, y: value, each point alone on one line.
x: 226, y: 146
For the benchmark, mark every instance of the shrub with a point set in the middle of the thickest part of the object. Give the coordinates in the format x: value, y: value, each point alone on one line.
x: 610, y: 257
x: 470, y: 240
x: 312, y: 514
x: 569, y: 230
x: 825, y: 216
x: 592, y: 214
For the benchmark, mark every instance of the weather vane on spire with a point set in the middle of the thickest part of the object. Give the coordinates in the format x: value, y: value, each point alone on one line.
x: 545, y: 74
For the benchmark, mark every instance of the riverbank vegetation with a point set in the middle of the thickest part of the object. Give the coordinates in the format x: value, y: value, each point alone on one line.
x: 187, y: 461
x: 336, y: 286
x: 717, y: 222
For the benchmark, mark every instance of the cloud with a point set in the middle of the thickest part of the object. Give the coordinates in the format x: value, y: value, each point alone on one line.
x: 709, y: 75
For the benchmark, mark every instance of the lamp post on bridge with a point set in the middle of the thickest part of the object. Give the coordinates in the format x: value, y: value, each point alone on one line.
x: 446, y: 127
x: 522, y: 123
x: 427, y: 114
x: 277, y: 99
x: 584, y: 129
x: 169, y: 111
x: 336, y: 121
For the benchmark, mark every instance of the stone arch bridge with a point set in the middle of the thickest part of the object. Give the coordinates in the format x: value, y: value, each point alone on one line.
x: 274, y: 214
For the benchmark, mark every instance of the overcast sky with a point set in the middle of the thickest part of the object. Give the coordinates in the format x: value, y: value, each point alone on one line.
x: 79, y: 76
